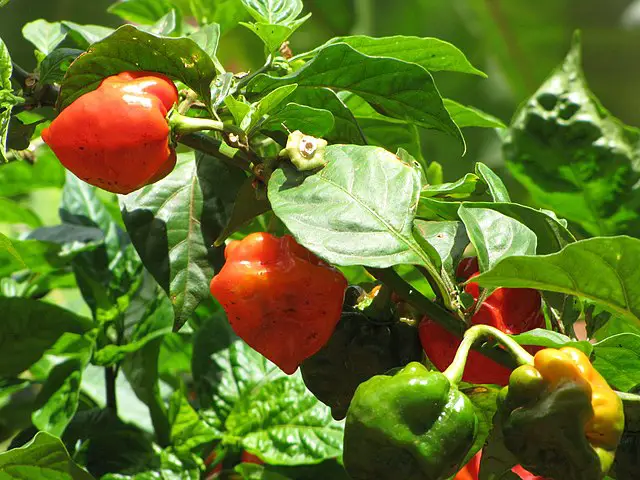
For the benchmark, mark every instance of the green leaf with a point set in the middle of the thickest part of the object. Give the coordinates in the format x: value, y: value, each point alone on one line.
x: 43, y: 457
x: 55, y: 65
x: 165, y: 465
x: 316, y: 122
x: 251, y: 471
x: 550, y: 339
x: 31, y: 327
x: 131, y: 49
x: 188, y: 430
x: 21, y: 177
x: 33, y: 255
x: 207, y: 38
x: 483, y: 399
x: 430, y: 53
x: 44, y: 35
x: 408, y: 94
x: 145, y: 12
x: 148, y: 317
x: 110, y: 275
x: 574, y: 157
x: 617, y: 358
x: 345, y: 128
x: 496, y: 186
x: 359, y: 225
x: 496, y: 236
x: 57, y: 402
x: 227, y: 13
x: 16, y: 213
x: 461, y: 188
x: 266, y: 104
x: 284, y: 424
x: 165, y: 26
x: 246, y: 207
x: 174, y: 222
x: 471, y: 116
x: 7, y: 99
x: 86, y: 35
x: 274, y: 11
x: 225, y: 369
x: 449, y: 239
x: 600, y: 269
x: 274, y: 35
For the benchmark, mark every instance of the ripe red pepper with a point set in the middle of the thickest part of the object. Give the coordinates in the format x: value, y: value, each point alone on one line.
x: 117, y: 137
x: 279, y: 297
x: 511, y: 310
x: 471, y: 470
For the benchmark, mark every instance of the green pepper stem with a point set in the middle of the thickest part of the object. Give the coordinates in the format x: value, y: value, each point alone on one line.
x: 184, y: 125
x: 475, y: 334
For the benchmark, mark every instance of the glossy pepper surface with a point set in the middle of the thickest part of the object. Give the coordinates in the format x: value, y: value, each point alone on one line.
x: 471, y: 471
x: 414, y: 425
x: 560, y: 418
x: 511, y: 310
x: 117, y: 137
x: 279, y: 297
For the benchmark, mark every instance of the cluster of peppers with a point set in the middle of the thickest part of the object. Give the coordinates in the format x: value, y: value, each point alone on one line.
x: 557, y: 415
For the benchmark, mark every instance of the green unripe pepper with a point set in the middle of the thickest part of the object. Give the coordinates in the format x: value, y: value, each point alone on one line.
x: 414, y: 425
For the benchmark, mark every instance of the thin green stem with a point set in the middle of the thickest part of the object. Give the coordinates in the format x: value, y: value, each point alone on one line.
x: 629, y: 398
x: 473, y: 336
x: 110, y: 388
x: 183, y: 125
x: 211, y: 146
x: 246, y: 79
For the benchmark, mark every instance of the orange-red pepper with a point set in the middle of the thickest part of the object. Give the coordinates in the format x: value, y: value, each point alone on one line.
x: 279, y: 297
x: 117, y: 137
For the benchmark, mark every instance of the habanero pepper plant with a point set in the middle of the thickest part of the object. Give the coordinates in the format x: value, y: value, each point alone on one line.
x: 179, y: 237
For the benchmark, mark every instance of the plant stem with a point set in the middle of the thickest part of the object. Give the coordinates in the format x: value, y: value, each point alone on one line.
x: 110, y: 387
x: 184, y: 125
x: 211, y: 146
x: 474, y: 335
x: 246, y: 79
x: 435, y: 312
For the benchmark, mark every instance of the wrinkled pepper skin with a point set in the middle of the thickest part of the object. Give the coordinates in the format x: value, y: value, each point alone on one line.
x: 358, y: 350
x: 413, y: 425
x: 560, y: 418
x: 511, y: 310
x: 279, y: 297
x: 117, y: 137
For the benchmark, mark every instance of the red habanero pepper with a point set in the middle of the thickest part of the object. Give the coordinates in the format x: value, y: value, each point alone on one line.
x: 279, y: 297
x: 511, y: 310
x: 117, y: 137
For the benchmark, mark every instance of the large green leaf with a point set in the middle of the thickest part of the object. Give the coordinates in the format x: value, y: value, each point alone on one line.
x: 188, y: 430
x: 174, y: 222
x: 448, y: 238
x: 601, y: 269
x: 574, y: 157
x: 7, y: 99
x: 495, y: 235
x: 316, y: 122
x: 227, y: 13
x: 617, y: 358
x: 466, y: 116
x: 367, y: 197
x: 396, y: 88
x: 110, y: 275
x: 284, y: 424
x: 33, y: 255
x: 430, y: 53
x: 43, y: 457
x: 30, y: 328
x: 225, y: 369
x: 131, y: 49
x: 55, y: 65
